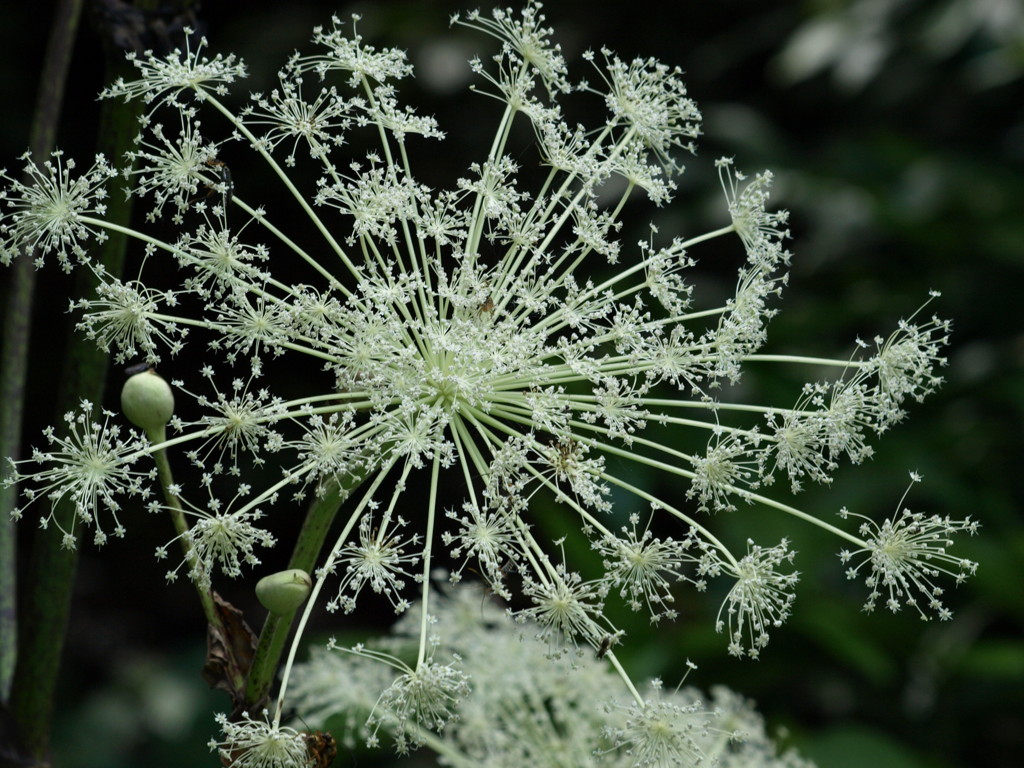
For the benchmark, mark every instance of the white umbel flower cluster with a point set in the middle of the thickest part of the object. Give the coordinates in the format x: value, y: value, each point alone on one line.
x: 488, y: 344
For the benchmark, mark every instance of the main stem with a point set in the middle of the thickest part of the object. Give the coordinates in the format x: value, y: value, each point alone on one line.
x: 276, y: 628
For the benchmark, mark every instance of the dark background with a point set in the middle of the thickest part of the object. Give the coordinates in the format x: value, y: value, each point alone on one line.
x: 896, y: 132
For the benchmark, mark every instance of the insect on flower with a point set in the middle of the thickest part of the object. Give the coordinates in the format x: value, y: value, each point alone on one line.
x: 322, y: 746
x: 226, y: 184
x: 495, y: 586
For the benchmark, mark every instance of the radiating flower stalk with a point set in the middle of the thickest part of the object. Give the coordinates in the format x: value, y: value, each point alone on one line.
x: 497, y: 337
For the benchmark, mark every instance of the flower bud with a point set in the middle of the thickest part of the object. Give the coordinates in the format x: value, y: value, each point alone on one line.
x: 284, y: 591
x: 147, y: 401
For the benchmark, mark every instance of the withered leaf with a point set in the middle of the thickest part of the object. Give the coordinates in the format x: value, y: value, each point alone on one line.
x: 229, y: 651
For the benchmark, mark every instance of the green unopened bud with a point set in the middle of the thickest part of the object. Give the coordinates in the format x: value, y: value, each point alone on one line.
x: 147, y: 401
x: 283, y: 592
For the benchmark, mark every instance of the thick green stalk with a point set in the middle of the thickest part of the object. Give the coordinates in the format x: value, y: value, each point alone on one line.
x: 20, y: 285
x: 305, y: 555
x: 45, y: 594
x: 276, y: 628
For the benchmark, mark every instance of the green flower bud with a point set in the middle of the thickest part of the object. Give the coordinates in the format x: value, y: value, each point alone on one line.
x: 147, y: 401
x: 283, y: 592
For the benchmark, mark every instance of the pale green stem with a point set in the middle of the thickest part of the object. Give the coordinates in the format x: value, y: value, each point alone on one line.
x: 807, y: 360
x: 562, y: 496
x: 489, y: 418
x: 516, y: 403
x: 427, y: 545
x: 411, y: 328
x: 531, y: 549
x: 711, y: 405
x: 476, y: 218
x: 285, y: 179
x: 807, y: 518
x: 293, y: 246
x: 571, y: 206
x: 418, y: 245
x: 174, y: 508
x: 466, y: 447
x: 626, y: 678
x: 389, y: 157
x: 654, y: 463
x: 528, y: 545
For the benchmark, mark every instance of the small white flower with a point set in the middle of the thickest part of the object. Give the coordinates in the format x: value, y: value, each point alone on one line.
x: 759, y: 230
x: 328, y: 449
x: 666, y: 729
x: 176, y: 72
x: 649, y: 99
x: 127, y: 318
x: 219, y: 539
x: 347, y: 53
x: 490, y: 536
x: 526, y: 40
x: 173, y: 169
x: 799, y: 449
x: 238, y: 425
x: 723, y: 472
x: 54, y: 211
x: 904, y: 555
x: 427, y: 697
x: 89, y: 468
x: 906, y: 361
x: 761, y: 598
x: 640, y: 568
x: 381, y: 560
x: 250, y: 326
x: 252, y: 743
x: 285, y: 115
x: 221, y: 263
x: 565, y: 609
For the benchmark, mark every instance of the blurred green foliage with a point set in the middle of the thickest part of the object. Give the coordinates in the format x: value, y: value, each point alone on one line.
x: 896, y: 131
